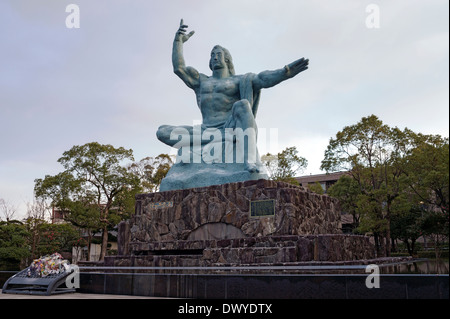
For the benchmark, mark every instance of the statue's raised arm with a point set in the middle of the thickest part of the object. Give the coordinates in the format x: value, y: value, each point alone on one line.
x: 267, y: 79
x: 189, y: 75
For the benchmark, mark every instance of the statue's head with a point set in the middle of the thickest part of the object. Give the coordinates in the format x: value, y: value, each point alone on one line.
x: 227, y: 57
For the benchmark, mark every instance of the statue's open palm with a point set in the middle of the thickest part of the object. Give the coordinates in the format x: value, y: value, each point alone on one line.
x: 181, y: 33
x: 296, y: 67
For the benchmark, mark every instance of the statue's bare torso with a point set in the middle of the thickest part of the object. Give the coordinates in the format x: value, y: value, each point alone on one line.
x: 216, y: 98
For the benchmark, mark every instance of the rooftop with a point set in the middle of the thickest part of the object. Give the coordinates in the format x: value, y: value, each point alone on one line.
x: 320, y: 177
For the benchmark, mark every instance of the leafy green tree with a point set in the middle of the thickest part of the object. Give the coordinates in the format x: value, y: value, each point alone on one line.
x: 94, y: 175
x: 347, y: 191
x: 56, y: 238
x: 151, y: 171
x: 13, y: 244
x: 62, y: 189
x: 394, y: 171
x: 436, y: 225
x: 86, y: 216
x: 316, y: 188
x: 285, y: 165
x: 33, y: 227
x: 408, y: 227
x: 427, y: 171
x: 427, y: 175
x: 374, y: 155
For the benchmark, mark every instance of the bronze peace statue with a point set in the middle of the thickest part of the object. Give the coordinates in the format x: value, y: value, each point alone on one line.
x: 215, y: 152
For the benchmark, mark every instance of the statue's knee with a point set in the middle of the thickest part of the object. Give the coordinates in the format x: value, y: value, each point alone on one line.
x: 243, y: 104
x: 161, y: 133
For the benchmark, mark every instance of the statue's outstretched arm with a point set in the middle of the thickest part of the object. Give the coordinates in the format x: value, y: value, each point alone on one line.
x: 267, y: 79
x: 189, y: 75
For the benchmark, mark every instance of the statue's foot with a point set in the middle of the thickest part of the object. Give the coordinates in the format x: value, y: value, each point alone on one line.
x: 251, y: 167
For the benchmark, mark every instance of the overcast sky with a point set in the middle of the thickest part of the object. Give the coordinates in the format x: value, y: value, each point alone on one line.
x: 111, y: 80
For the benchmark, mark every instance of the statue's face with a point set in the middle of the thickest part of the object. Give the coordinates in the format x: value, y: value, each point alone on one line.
x: 218, y: 59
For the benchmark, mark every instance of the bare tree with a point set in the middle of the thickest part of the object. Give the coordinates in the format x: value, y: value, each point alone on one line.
x: 38, y: 210
x: 7, y: 210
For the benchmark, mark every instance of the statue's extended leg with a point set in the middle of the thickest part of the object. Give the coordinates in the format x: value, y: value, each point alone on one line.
x: 242, y: 113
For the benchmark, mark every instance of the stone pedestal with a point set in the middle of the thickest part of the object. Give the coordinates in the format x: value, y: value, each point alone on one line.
x: 252, y: 222
x: 224, y: 211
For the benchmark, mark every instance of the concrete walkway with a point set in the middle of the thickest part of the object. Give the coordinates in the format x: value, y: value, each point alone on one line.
x: 73, y: 296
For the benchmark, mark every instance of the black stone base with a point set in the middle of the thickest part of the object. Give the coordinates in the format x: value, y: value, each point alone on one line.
x: 272, y: 286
